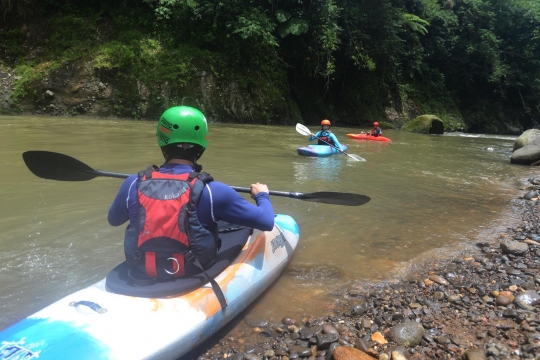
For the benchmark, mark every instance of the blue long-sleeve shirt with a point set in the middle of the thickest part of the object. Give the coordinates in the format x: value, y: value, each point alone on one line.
x: 330, y: 135
x: 218, y: 202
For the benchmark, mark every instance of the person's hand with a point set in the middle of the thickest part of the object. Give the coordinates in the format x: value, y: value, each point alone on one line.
x: 312, y: 134
x: 257, y: 188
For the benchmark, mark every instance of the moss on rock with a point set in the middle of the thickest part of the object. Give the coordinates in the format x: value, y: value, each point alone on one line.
x: 425, y: 124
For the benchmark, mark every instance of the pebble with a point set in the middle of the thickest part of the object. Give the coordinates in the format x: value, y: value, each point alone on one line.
x: 484, y: 307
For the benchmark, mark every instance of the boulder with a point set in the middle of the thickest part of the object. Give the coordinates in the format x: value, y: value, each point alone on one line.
x: 526, y: 155
x: 408, y: 333
x: 529, y: 137
x: 425, y: 124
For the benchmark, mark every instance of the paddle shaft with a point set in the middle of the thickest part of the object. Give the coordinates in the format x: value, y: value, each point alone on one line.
x: 56, y: 166
x: 294, y: 195
x: 335, y: 147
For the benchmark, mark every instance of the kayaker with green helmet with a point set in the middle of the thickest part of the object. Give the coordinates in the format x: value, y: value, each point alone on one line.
x: 325, y: 136
x: 173, y: 210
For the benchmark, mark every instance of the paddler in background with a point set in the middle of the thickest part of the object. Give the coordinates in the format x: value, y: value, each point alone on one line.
x: 173, y: 210
x: 325, y: 136
x: 377, y: 131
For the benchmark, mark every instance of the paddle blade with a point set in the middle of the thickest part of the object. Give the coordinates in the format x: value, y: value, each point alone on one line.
x: 355, y: 157
x: 55, y: 166
x: 335, y: 198
x: 302, y: 130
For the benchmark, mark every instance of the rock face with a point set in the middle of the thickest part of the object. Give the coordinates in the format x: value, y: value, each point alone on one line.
x: 82, y: 88
x: 425, y: 124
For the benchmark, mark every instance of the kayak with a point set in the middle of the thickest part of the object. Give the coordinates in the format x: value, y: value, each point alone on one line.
x: 368, y: 137
x: 99, y: 323
x: 319, y: 150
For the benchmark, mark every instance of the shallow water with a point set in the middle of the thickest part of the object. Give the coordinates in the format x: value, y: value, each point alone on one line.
x: 430, y: 195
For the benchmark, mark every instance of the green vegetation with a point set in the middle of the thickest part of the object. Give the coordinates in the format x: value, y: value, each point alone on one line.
x: 425, y: 124
x: 475, y: 64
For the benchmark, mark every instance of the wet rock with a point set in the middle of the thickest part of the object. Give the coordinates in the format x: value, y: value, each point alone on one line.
x: 514, y: 247
x: 288, y: 321
x: 474, y: 354
x: 238, y: 356
x: 252, y: 357
x: 310, y: 331
x: 527, y: 300
x: 360, y: 309
x: 408, y: 333
x: 396, y: 355
x: 531, y: 194
x: 324, y: 340
x: 379, y: 338
x: 504, y: 298
x: 438, y: 279
x: 330, y: 352
x: 348, y: 353
x: 329, y: 329
x: 302, y: 351
x: 257, y: 322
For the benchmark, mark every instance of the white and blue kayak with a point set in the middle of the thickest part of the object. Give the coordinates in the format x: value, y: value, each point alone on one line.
x: 319, y: 150
x: 99, y: 323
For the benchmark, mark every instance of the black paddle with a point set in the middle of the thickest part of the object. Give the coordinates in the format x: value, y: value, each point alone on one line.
x: 55, y: 166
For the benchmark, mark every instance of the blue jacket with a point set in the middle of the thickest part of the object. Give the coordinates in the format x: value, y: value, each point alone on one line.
x: 329, y: 134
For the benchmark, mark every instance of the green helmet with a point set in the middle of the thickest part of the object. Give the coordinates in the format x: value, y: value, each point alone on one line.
x: 182, y: 124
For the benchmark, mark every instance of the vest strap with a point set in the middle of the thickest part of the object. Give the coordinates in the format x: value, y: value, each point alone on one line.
x: 217, y: 290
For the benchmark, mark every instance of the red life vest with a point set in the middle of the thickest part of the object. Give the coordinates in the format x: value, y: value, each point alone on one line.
x: 323, y: 138
x: 170, y: 234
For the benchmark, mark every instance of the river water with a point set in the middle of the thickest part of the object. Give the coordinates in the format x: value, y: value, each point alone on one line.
x: 431, y: 195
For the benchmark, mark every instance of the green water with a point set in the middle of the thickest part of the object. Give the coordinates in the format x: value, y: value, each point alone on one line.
x: 430, y: 195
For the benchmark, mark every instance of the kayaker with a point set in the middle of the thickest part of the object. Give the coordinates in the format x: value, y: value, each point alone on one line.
x: 173, y: 210
x: 325, y: 136
x: 377, y: 131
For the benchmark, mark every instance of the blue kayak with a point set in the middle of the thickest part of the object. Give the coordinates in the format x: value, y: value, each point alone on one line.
x: 319, y: 150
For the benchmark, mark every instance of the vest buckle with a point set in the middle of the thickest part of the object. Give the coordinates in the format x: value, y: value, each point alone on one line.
x: 137, y: 255
x: 190, y: 257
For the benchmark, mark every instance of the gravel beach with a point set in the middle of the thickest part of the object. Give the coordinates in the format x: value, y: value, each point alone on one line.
x: 479, y: 304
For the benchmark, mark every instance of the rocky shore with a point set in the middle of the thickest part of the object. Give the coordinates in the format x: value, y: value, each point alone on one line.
x: 478, y: 305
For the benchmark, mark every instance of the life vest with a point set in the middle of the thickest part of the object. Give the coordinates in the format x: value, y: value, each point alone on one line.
x: 377, y: 132
x: 170, y: 238
x: 325, y: 137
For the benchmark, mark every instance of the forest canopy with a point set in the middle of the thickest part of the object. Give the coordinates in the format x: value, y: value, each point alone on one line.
x: 478, y: 58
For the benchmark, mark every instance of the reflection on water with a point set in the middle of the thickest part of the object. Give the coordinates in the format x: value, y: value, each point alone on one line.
x: 430, y: 195
x: 308, y: 169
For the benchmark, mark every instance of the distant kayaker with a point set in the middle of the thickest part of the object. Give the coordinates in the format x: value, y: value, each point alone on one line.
x: 173, y: 210
x: 325, y: 136
x: 377, y: 131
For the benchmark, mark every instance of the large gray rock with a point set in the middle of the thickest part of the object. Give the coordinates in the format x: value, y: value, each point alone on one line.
x: 529, y: 137
x: 526, y: 155
x: 425, y: 124
x: 408, y: 333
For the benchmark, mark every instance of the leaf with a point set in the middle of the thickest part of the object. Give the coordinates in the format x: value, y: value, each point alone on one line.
x: 294, y: 26
x: 282, y: 15
x: 298, y: 26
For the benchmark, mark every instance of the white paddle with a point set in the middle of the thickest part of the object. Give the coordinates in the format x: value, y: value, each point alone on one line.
x: 301, y: 129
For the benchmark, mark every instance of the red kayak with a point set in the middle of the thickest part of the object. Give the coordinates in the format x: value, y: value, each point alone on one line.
x: 368, y: 137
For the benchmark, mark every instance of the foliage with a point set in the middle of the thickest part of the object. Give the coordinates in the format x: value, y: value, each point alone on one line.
x: 476, y: 61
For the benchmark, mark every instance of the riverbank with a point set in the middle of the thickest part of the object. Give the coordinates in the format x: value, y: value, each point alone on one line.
x: 480, y: 304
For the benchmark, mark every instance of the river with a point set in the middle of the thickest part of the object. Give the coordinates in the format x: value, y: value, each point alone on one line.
x: 430, y: 195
